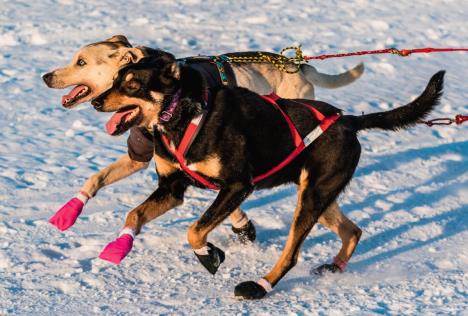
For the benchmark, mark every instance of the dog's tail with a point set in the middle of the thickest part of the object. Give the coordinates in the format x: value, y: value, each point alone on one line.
x: 332, y: 81
x: 404, y: 116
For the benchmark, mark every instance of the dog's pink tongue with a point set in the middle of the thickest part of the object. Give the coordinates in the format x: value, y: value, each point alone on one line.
x: 115, y: 120
x: 73, y: 93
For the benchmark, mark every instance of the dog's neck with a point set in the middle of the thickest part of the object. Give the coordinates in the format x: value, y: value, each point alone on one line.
x: 186, y: 103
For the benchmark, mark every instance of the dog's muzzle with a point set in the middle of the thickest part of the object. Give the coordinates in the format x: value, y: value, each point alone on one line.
x: 48, y: 78
x: 98, y: 104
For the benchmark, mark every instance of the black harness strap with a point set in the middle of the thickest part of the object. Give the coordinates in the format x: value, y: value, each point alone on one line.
x: 216, y: 70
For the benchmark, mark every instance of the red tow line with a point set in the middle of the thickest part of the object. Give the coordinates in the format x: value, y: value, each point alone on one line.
x: 458, y: 120
x: 394, y: 51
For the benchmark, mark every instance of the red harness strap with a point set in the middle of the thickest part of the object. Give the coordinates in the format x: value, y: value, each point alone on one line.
x: 301, y: 143
x: 179, y: 153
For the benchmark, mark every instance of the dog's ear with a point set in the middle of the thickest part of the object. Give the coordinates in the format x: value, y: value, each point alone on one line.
x: 154, y: 52
x: 170, y: 72
x: 132, y: 56
x: 174, y: 71
x: 170, y: 68
x: 119, y: 39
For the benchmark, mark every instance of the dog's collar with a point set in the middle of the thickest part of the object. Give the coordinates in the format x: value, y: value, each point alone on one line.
x: 168, y: 111
x: 166, y: 115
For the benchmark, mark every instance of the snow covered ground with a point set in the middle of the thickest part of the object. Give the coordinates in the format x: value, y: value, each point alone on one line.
x: 409, y: 195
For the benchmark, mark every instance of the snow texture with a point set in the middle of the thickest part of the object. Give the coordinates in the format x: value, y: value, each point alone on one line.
x: 409, y: 194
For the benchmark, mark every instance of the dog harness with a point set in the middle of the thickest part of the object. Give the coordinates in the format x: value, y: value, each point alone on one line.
x: 216, y: 70
x: 300, y: 143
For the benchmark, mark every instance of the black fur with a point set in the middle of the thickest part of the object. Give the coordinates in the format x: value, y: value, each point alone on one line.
x: 408, y: 115
x: 250, y: 136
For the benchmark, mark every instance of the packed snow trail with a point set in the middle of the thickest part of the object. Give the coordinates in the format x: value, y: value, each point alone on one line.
x: 409, y: 194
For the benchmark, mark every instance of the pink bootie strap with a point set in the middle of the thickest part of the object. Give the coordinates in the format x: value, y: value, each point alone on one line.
x: 340, y: 264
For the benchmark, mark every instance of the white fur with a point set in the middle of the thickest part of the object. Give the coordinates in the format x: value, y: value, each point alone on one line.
x: 127, y: 231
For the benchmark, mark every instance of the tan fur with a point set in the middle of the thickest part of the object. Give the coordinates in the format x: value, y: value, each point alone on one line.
x: 148, y: 211
x: 118, y: 38
x: 349, y: 233
x: 157, y: 97
x: 120, y: 169
x: 116, y: 101
x: 293, y: 241
x: 211, y: 167
x: 196, y: 238
x: 129, y: 76
x: 165, y: 167
x: 237, y: 216
x: 103, y: 61
x: 148, y: 110
x: 266, y: 78
x: 332, y: 218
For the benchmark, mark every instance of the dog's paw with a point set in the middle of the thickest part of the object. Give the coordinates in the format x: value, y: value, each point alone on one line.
x: 250, y: 290
x: 326, y: 268
x: 246, y: 233
x: 117, y: 250
x: 66, y: 216
x: 336, y: 266
x: 210, y: 257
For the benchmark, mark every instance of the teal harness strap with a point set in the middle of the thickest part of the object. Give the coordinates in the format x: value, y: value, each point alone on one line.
x: 219, y: 62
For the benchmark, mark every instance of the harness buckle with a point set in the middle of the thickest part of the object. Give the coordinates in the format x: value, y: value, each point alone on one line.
x: 165, y: 116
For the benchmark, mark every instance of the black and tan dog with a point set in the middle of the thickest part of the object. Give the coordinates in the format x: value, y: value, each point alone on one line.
x: 241, y: 136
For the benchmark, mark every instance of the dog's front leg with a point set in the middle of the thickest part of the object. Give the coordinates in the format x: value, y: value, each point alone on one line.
x: 116, y: 171
x: 228, y: 199
x: 66, y: 216
x: 168, y: 195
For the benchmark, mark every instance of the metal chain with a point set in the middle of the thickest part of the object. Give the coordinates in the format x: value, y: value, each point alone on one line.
x: 282, y: 62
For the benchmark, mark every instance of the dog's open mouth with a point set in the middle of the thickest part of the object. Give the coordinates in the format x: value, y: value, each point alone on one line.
x: 75, y: 95
x: 123, y: 119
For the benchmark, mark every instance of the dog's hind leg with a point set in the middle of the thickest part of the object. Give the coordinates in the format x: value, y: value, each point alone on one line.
x: 349, y: 233
x: 168, y: 195
x: 242, y: 226
x: 301, y: 225
x: 314, y: 196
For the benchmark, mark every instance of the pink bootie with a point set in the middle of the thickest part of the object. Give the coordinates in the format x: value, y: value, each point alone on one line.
x: 67, y: 215
x: 118, y: 249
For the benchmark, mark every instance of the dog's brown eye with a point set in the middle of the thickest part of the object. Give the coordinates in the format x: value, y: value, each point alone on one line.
x: 81, y: 62
x: 133, y: 85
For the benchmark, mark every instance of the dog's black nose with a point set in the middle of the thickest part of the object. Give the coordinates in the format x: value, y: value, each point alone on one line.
x: 97, y: 104
x: 47, y: 77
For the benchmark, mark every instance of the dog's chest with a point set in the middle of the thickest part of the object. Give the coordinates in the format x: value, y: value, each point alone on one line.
x: 209, y: 167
